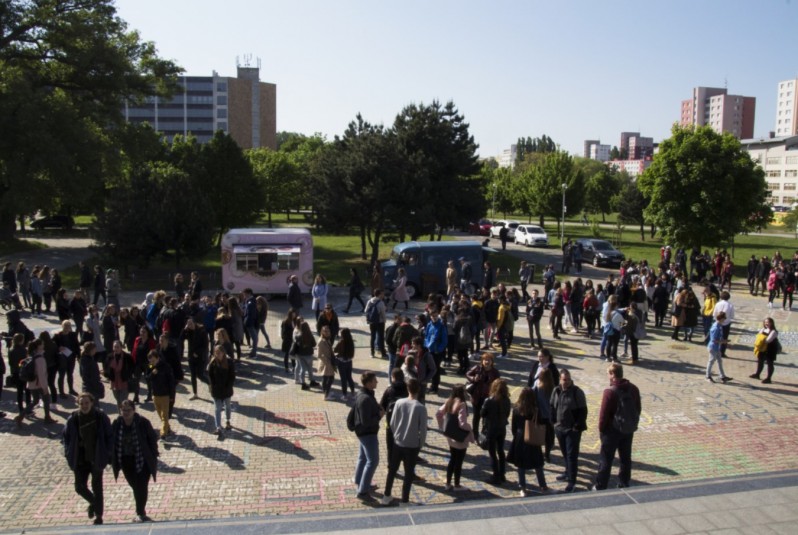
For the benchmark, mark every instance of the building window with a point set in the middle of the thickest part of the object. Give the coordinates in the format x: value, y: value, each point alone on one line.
x: 773, y: 186
x: 221, y: 113
x: 773, y: 173
x: 221, y: 87
x: 789, y: 186
x: 221, y: 100
x: 222, y: 126
x: 792, y: 160
x: 787, y: 200
x: 774, y: 160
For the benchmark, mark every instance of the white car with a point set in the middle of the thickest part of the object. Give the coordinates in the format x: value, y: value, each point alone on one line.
x: 531, y: 235
x: 497, y: 227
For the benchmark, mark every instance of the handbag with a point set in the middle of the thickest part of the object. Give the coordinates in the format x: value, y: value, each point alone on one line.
x: 534, y: 433
x: 470, y: 388
x: 482, y: 440
x: 452, y: 429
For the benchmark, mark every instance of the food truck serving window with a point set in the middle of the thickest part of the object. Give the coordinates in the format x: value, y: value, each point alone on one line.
x: 266, y: 259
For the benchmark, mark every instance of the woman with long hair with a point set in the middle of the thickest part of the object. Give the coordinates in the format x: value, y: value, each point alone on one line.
x: 455, y: 407
x: 319, y: 294
x: 324, y: 353
x: 526, y: 456
x: 344, y: 353
x: 766, y: 349
x: 237, y: 323
x: 303, y: 346
x: 287, y: 337
x: 263, y: 313
x: 495, y: 412
x: 221, y: 376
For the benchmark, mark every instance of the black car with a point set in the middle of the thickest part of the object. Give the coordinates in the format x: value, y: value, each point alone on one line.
x: 55, y: 221
x: 600, y: 252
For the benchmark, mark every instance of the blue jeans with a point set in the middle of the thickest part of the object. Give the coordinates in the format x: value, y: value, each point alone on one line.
x: 377, y: 342
x: 367, y: 460
x: 304, y: 366
x: 218, y: 404
x: 391, y: 362
x: 253, y: 341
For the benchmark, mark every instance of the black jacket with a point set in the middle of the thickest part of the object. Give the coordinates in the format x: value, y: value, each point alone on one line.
x: 127, y: 366
x: 221, y: 379
x: 148, y: 442
x: 367, y: 413
x: 90, y: 375
x: 555, y: 374
x: 162, y: 380
x: 494, y: 417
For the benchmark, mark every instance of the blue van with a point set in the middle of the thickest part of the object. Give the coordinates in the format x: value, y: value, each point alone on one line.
x: 425, y: 264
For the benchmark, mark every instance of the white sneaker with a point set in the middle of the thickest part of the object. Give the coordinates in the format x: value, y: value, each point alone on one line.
x: 522, y: 494
x: 386, y: 500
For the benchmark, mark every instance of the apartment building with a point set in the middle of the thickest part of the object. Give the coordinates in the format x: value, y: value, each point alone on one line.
x: 778, y: 156
x: 786, y: 123
x: 714, y: 107
x: 243, y: 107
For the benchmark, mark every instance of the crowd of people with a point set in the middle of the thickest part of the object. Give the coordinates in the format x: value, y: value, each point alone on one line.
x: 467, y: 332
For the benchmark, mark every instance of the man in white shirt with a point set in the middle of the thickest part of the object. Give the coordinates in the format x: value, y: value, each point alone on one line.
x: 724, y: 306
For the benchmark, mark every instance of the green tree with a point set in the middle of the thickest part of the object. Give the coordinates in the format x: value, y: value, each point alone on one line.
x: 630, y: 203
x: 361, y: 181
x: 226, y: 178
x: 601, y: 185
x: 66, y: 68
x: 279, y: 178
x: 615, y: 154
x: 704, y: 188
x: 442, y: 155
x: 547, y: 179
x: 500, y: 193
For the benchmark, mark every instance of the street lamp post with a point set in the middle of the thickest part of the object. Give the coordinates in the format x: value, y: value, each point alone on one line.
x: 493, y: 206
x: 562, y: 223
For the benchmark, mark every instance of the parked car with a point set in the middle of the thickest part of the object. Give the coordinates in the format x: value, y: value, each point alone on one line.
x: 531, y: 235
x: 600, y: 252
x: 54, y: 221
x: 480, y: 228
x: 497, y: 227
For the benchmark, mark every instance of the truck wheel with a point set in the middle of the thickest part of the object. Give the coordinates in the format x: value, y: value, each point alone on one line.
x: 412, y: 291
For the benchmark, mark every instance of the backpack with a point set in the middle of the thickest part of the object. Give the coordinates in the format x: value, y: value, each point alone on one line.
x: 626, y: 416
x: 27, y: 369
x: 373, y: 313
x: 350, y: 419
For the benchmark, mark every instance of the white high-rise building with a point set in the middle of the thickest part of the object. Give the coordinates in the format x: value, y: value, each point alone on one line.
x: 787, y: 109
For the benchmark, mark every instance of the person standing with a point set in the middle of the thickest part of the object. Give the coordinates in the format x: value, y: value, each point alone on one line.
x: 766, y: 347
x: 367, y: 414
x: 294, y: 293
x: 88, y: 443
x: 194, y: 333
x: 466, y: 272
x: 728, y: 309
x: 436, y: 340
x: 377, y: 278
x: 618, y: 419
x: 68, y: 351
x: 569, y: 416
x: 135, y: 454
x: 319, y: 293
x: 251, y: 321
x: 119, y: 366
x: 526, y: 456
x: 715, y: 347
x: 408, y: 427
x: 23, y: 282
x: 38, y: 385
x: 481, y: 376
x: 504, y: 234
x: 90, y: 372
x: 495, y: 412
x: 524, y: 275
x: 221, y: 377
x: 375, y: 317
x: 324, y: 353
x: 396, y: 391
x: 451, y: 278
x: 455, y: 407
x: 344, y: 352
x: 328, y: 318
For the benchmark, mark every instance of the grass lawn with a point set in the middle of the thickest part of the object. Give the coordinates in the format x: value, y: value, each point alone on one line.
x: 13, y: 246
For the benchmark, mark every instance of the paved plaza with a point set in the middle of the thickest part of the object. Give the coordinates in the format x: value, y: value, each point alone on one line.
x: 290, y: 452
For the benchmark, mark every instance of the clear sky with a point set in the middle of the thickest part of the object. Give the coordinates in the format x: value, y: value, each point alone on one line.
x: 570, y: 69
